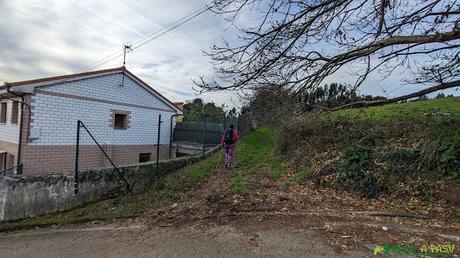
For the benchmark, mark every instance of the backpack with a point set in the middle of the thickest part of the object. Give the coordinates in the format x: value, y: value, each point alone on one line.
x: 229, y: 136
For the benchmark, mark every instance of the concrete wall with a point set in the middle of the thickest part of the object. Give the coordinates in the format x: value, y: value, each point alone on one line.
x: 29, y: 196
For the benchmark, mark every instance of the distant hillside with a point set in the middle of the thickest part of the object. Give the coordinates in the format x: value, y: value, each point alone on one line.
x: 415, y: 109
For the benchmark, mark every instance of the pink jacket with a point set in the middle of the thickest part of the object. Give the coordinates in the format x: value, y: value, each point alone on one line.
x: 235, y: 137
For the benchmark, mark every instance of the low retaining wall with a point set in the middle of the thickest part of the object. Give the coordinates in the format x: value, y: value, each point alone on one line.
x: 29, y: 196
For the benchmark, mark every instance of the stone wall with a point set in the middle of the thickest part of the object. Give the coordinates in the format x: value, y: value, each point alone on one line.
x: 29, y: 196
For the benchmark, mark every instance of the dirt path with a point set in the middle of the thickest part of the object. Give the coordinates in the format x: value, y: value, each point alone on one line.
x: 232, y: 236
x: 292, y: 222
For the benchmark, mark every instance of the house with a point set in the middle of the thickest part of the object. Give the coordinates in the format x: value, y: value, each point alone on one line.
x: 180, y: 105
x: 38, y: 122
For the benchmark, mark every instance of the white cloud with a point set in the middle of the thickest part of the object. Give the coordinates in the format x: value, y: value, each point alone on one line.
x: 53, y: 37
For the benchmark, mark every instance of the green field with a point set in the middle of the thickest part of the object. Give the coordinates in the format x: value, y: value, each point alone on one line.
x: 415, y: 109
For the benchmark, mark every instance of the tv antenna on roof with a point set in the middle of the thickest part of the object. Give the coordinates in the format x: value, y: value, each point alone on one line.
x: 126, y: 48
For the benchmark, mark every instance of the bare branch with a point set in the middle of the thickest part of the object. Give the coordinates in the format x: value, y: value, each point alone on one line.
x: 429, y: 90
x: 298, y: 44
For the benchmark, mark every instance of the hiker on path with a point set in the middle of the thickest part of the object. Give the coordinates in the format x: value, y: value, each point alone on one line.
x: 228, y: 141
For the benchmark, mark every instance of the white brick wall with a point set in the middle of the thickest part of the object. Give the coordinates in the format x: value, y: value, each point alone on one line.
x: 56, y: 117
x: 108, y: 87
x: 10, y: 132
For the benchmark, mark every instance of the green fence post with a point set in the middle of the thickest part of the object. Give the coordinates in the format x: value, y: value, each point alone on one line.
x: 204, y: 135
x: 158, y: 145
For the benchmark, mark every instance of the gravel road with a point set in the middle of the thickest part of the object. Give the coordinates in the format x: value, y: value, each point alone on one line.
x: 135, y: 239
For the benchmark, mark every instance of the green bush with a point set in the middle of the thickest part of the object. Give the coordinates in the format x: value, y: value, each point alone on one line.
x: 448, y: 154
x: 355, y: 169
x: 370, y: 139
x: 400, y: 161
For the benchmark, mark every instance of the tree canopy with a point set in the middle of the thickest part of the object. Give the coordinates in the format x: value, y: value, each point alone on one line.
x: 196, y: 109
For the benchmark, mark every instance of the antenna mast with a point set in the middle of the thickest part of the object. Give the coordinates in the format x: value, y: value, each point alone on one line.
x: 126, y: 48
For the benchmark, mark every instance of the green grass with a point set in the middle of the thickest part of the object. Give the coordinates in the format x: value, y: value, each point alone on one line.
x: 416, y: 109
x: 167, y: 189
x: 253, y: 159
x: 277, y: 169
x: 240, y: 184
x: 302, y: 175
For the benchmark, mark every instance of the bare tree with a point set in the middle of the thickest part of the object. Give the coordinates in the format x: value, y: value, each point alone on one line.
x: 297, y: 44
x: 270, y: 105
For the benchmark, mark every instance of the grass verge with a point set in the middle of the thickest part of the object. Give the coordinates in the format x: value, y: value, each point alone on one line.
x: 253, y: 160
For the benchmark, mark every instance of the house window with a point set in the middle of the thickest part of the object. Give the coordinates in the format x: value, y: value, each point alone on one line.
x: 120, y: 119
x: 3, y: 110
x: 144, y: 157
x: 14, y: 112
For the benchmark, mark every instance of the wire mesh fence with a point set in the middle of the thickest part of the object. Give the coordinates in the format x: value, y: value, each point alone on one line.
x: 245, y: 123
x: 100, y: 154
x: 11, y: 171
x: 198, y: 135
x: 129, y: 140
x: 123, y: 141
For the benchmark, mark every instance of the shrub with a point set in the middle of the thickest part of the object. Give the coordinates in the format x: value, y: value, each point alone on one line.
x: 400, y: 161
x: 370, y: 139
x: 448, y: 151
x: 355, y: 169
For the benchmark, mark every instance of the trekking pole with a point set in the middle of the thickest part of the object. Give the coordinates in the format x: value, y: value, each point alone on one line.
x: 218, y: 159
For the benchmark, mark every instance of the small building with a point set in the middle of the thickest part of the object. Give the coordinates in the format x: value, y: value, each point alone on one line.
x: 180, y: 105
x: 38, y: 122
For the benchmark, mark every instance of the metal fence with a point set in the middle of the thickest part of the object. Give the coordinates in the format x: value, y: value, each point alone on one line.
x: 16, y: 170
x: 73, y: 146
x: 94, y: 144
x: 246, y: 123
x: 95, y: 149
x: 193, y: 137
x: 195, y: 131
x: 82, y: 130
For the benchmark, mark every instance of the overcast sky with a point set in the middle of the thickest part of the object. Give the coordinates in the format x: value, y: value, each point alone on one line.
x: 40, y: 38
